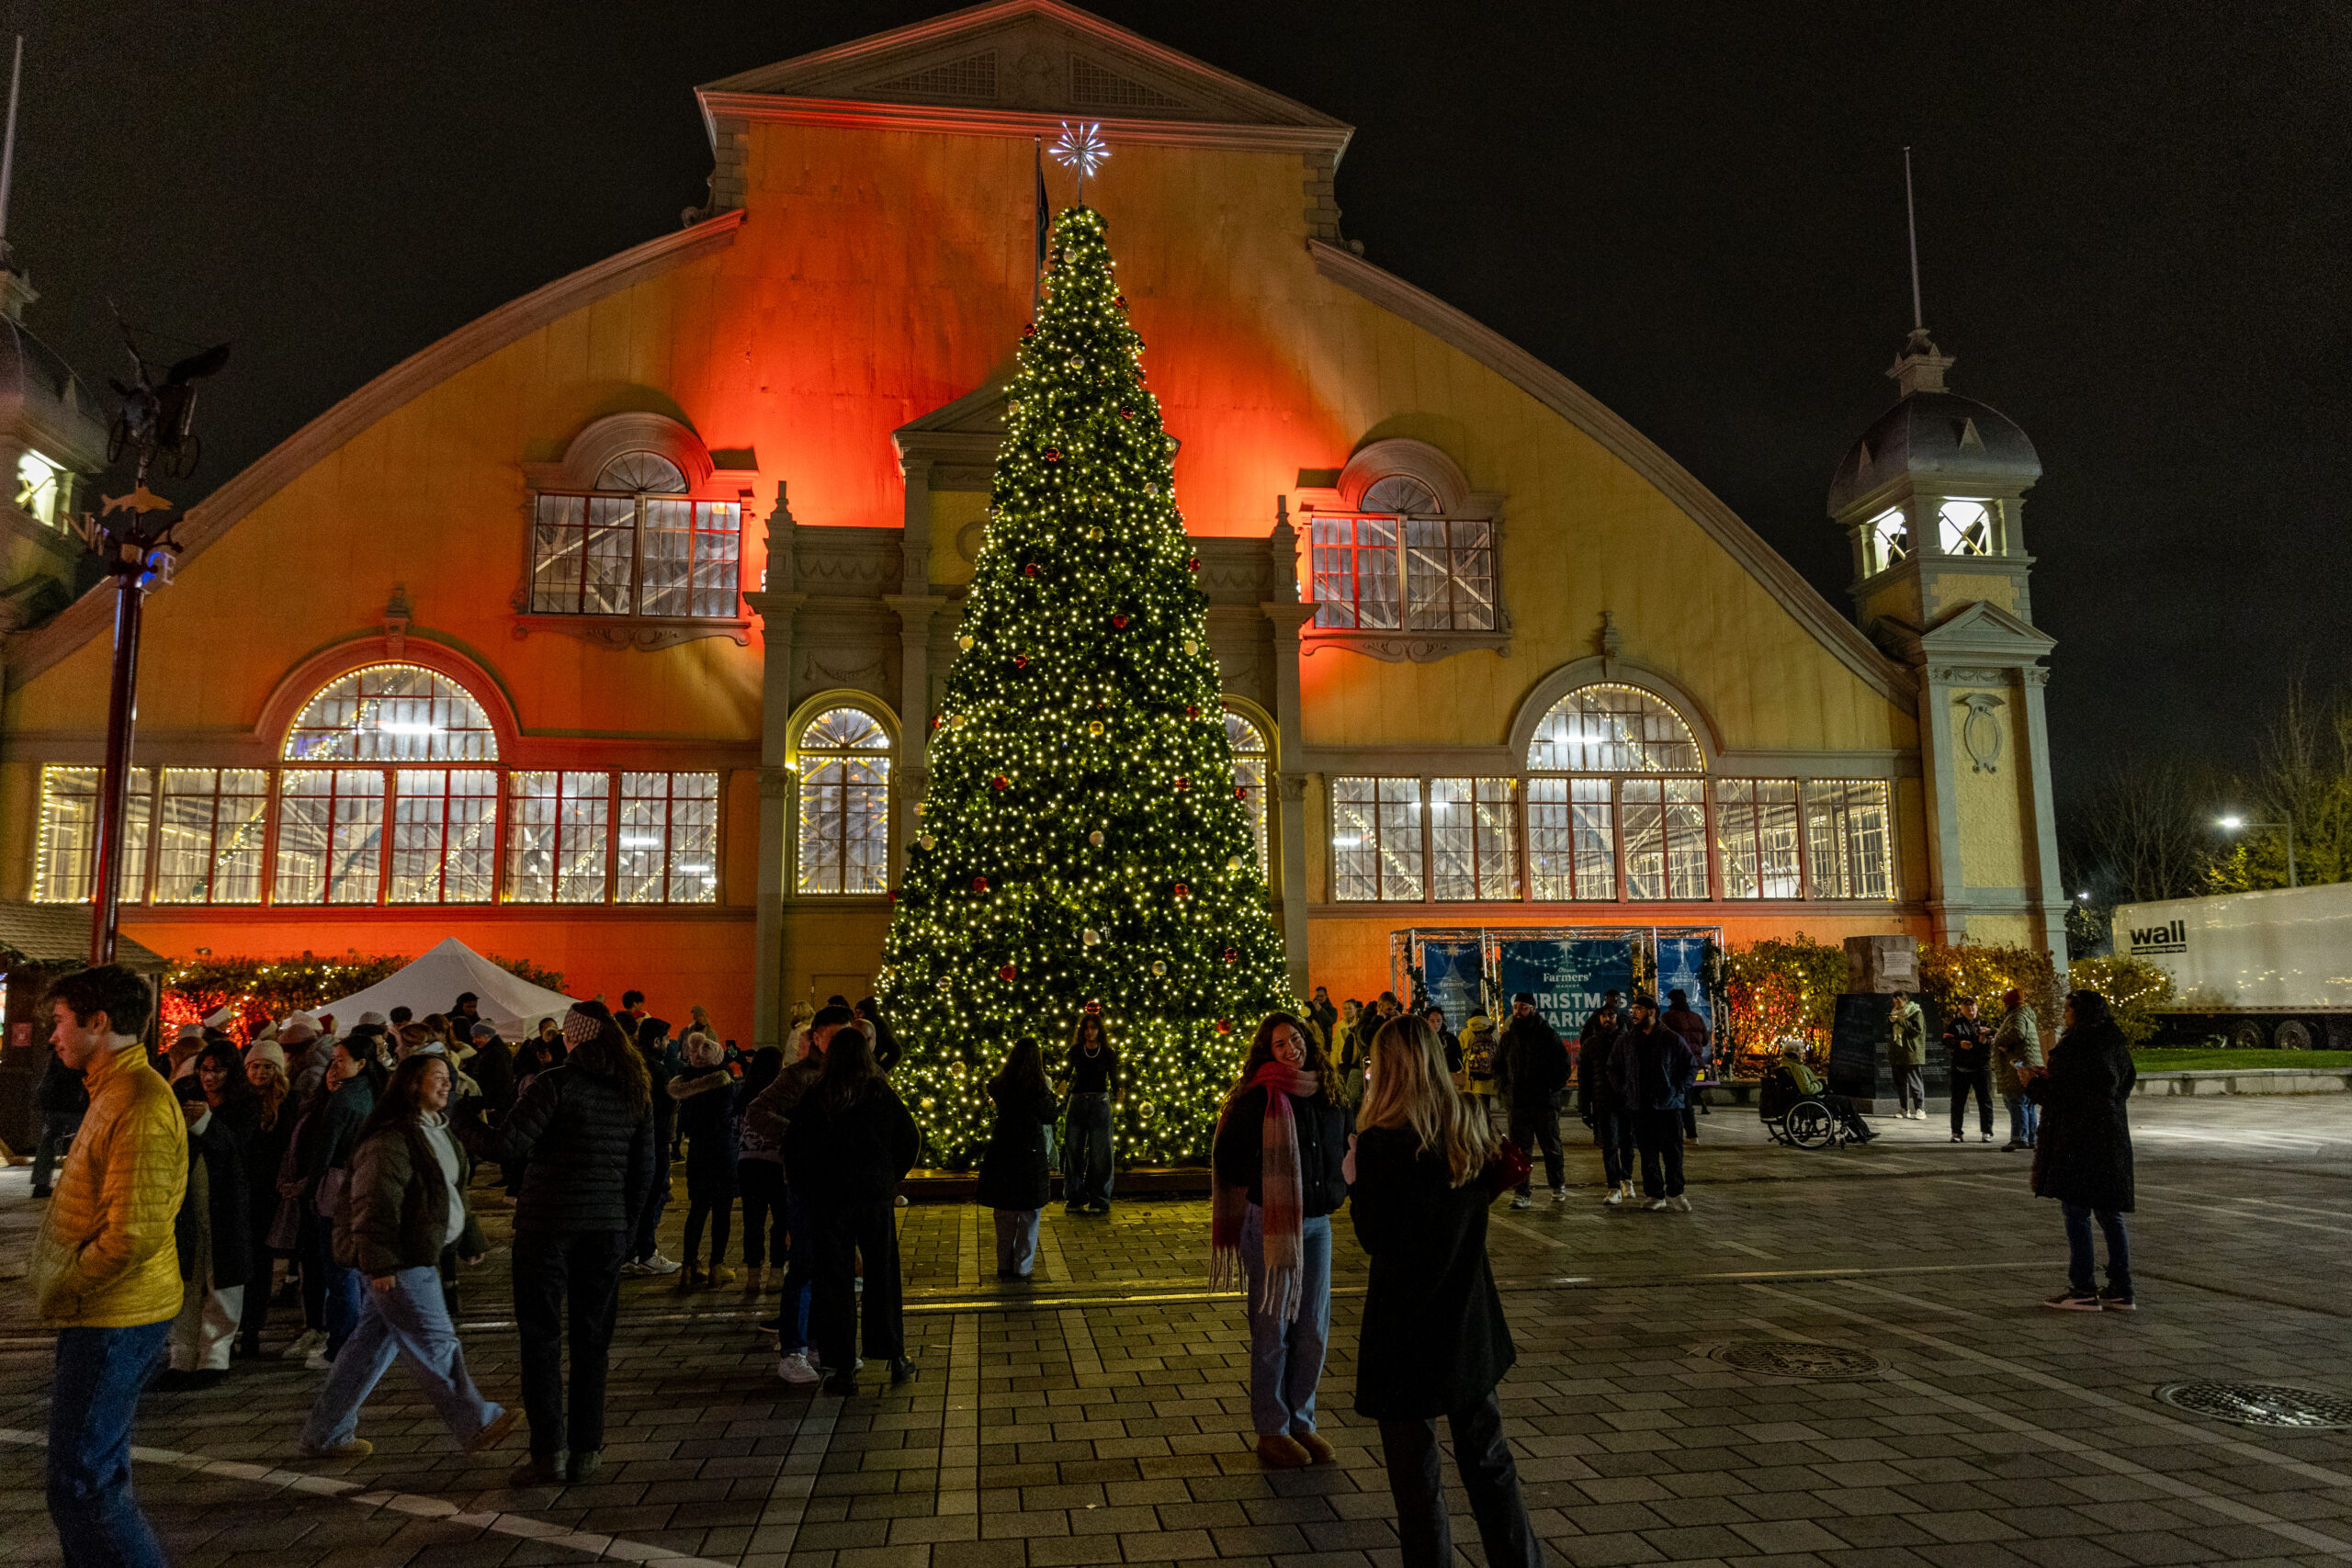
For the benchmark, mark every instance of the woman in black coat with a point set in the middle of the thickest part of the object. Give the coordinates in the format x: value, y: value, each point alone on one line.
x: 587, y: 1130
x: 2083, y: 1157
x: 1433, y: 1340
x: 1281, y: 1143
x: 1015, y: 1177
x: 214, y: 1228
x: 848, y: 1143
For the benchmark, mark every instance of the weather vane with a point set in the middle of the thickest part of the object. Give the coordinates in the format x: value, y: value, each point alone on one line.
x: 1081, y: 147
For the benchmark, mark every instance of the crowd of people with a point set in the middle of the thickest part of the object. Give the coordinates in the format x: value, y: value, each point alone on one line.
x: 343, y: 1162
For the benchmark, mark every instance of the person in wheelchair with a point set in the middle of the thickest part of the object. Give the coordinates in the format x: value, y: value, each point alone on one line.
x: 1798, y: 1081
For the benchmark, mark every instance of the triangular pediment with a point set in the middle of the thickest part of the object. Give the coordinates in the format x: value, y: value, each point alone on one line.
x: 1983, y: 630
x: 958, y: 440
x: 1033, y: 56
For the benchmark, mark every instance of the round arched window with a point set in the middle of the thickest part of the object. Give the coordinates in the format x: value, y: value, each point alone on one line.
x: 642, y: 473
x: 1610, y: 808
x: 845, y: 755
x: 1252, y: 761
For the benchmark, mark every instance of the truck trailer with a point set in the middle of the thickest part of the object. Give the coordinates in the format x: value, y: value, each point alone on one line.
x: 2272, y: 968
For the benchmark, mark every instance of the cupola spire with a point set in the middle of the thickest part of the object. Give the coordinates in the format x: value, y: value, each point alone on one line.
x: 1918, y: 367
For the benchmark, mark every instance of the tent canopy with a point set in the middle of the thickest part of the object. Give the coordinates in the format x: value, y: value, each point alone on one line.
x: 440, y: 977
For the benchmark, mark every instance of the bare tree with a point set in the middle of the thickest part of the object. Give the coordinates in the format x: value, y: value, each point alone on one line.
x: 2143, y: 830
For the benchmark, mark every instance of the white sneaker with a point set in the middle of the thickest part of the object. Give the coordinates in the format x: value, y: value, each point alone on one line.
x: 795, y: 1368
x: 1659, y: 1205
x: 311, y: 1341
x: 1682, y: 1203
x: 317, y: 1360
x: 1559, y: 1194
x: 1616, y: 1196
x: 1987, y: 1138
x: 657, y: 1264
x: 1521, y: 1200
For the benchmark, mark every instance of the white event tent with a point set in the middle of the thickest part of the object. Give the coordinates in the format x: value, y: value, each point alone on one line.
x: 440, y: 978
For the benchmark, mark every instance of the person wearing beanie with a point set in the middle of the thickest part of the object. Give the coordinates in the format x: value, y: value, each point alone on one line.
x: 1535, y: 1075
x: 705, y: 1100
x: 1653, y: 1068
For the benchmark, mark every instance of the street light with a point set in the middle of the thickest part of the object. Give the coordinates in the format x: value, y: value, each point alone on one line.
x: 2233, y: 822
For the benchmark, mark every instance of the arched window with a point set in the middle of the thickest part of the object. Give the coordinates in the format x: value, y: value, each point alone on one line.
x: 1603, y: 804
x: 332, y: 815
x: 633, y: 545
x: 643, y: 473
x: 845, y: 803
x: 1251, y: 764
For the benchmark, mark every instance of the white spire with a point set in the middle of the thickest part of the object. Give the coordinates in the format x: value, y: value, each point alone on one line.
x: 1910, y: 217
x: 8, y: 146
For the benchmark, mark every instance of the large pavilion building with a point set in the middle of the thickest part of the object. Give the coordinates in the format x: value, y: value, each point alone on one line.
x: 624, y: 610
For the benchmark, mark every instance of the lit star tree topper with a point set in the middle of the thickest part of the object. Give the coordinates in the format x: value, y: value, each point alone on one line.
x: 1084, y: 845
x: 1081, y: 147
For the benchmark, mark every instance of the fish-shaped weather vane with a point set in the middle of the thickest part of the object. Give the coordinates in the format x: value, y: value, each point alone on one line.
x: 1081, y: 147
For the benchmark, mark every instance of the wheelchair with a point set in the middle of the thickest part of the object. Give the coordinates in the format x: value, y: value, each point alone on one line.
x: 1799, y: 1120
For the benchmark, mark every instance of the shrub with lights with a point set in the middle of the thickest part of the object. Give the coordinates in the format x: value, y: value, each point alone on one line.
x: 1083, y: 845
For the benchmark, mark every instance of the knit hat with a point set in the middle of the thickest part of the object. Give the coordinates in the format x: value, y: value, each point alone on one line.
x: 579, y: 1028
x: 1644, y: 1000
x: 299, y: 1027
x: 267, y: 1051
x: 702, y: 1051
x: 372, y: 1020
x: 220, y: 1018
x: 483, y: 1029
x: 1527, y: 997
x: 189, y: 1032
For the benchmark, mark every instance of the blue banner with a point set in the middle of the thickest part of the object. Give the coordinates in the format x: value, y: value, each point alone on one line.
x: 1451, y: 968
x: 1567, y: 975
x: 1682, y: 965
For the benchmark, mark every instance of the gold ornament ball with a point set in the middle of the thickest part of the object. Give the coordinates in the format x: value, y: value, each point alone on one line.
x: 1160, y: 968
x: 1192, y: 647
x: 1232, y: 863
x: 1095, y: 838
x: 964, y: 642
x: 1090, y: 937
x: 926, y: 840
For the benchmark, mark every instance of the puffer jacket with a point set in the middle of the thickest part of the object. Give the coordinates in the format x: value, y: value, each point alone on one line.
x: 590, y: 1152
x: 398, y: 1211
x: 773, y: 1107
x: 2017, y: 1043
x: 105, y: 1257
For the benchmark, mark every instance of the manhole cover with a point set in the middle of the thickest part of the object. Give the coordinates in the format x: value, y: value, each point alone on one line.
x: 2261, y: 1404
x: 1794, y: 1359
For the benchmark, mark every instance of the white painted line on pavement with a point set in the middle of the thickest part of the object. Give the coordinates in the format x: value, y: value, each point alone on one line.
x: 354, y: 1492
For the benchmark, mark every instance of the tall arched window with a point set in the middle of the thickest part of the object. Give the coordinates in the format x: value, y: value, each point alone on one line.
x: 635, y: 545
x: 1251, y: 764
x: 331, y: 815
x: 845, y: 803
x: 1617, y: 791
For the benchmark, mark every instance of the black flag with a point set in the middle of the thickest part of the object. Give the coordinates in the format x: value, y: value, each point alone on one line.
x: 1045, y: 220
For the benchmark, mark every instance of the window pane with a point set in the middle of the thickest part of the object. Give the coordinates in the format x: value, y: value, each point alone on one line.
x: 531, y: 838
x: 1644, y: 839
x: 694, y: 839
x: 69, y: 834
x: 559, y: 544
x: 718, y: 549
x: 1428, y: 574
x: 305, y: 812
x: 1473, y: 575
x: 1474, y: 851
x: 1967, y: 528
x: 644, y: 840
x: 1851, y: 844
x: 1596, y: 839
x: 393, y: 713
x: 1332, y: 559
x: 1355, y: 840
x: 208, y: 843
x: 669, y: 559
x: 583, y: 819
x: 444, y: 835
x: 611, y: 552
x: 1376, y: 596
x: 356, y: 857
x: 1613, y: 730
x: 1549, y: 840
x: 844, y: 824
x: 1755, y: 837
x: 641, y: 472
x: 1686, y: 838
x: 1249, y: 778
x: 845, y: 729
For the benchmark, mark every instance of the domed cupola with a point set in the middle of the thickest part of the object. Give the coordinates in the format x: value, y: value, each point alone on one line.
x: 1933, y: 434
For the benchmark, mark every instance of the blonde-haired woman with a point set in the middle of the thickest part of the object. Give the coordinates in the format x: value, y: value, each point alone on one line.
x: 1433, y: 1341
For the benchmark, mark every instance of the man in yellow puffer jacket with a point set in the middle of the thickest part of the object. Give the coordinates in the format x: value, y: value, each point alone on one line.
x: 105, y: 1271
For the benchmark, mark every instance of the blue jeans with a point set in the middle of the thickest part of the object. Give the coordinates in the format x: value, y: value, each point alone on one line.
x: 1090, y: 1149
x: 100, y: 1374
x: 1017, y: 1240
x: 410, y: 1321
x: 2025, y: 1119
x: 1287, y: 1359
x: 2078, y: 1248
x: 343, y: 1289
x: 799, y: 1276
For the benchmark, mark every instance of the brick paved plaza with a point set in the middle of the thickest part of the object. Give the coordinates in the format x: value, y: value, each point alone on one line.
x: 1099, y: 1415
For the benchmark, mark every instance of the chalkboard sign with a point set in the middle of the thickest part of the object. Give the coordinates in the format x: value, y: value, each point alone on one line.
x: 1567, y: 975
x: 1857, y: 1044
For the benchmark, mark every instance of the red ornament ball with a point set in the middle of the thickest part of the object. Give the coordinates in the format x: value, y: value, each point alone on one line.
x: 1029, y: 331
x: 1184, y: 890
x: 937, y: 719
x: 1120, y: 622
x: 1021, y: 661
x: 1224, y: 1026
x: 1094, y: 1010
x: 1127, y: 414
x: 1120, y: 300
x: 1028, y: 569
x: 1053, y: 454
x: 1232, y: 954
x: 1192, y: 710
x: 980, y: 885
x: 1007, y: 974
x: 1183, y: 783
x: 1241, y: 792
x: 1194, y: 564
x: 999, y: 782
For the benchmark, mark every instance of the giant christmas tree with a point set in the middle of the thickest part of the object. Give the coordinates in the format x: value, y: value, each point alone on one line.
x: 1082, y: 847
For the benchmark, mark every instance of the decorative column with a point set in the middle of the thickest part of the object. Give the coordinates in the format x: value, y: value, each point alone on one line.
x: 914, y: 606
x: 2036, y: 744
x: 1949, y: 905
x: 1288, y: 615
x: 776, y: 607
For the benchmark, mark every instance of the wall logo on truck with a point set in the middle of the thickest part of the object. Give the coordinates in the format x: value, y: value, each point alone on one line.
x: 2173, y: 938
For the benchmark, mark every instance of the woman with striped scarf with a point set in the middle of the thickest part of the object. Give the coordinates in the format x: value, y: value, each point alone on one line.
x: 1280, y: 1139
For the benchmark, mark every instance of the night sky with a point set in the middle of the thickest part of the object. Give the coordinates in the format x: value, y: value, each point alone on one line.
x: 2133, y: 228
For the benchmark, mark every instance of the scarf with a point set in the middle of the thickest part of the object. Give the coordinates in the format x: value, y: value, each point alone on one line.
x: 1283, y: 1207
